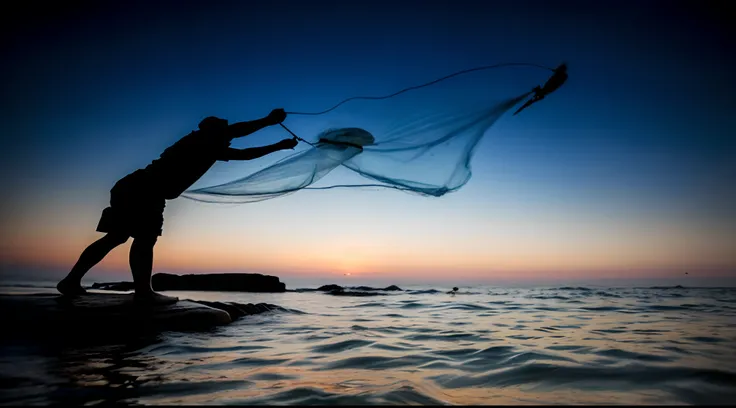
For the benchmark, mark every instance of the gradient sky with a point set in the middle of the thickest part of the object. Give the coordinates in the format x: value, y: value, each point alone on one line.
x: 626, y: 172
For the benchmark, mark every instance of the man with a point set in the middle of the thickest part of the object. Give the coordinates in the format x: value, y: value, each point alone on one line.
x: 137, y: 200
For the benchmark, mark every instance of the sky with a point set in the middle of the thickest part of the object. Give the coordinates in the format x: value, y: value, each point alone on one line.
x: 624, y: 173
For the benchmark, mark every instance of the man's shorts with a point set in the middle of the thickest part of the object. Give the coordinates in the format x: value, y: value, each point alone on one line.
x: 136, y: 209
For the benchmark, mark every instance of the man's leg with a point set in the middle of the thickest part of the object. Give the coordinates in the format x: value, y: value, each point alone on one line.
x: 141, y: 265
x: 91, y: 256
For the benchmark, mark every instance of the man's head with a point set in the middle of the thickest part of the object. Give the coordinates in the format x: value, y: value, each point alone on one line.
x: 213, y: 125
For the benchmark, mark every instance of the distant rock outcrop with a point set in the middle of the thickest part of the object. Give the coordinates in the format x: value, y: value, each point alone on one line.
x: 334, y: 288
x: 330, y: 288
x: 368, y: 288
x: 353, y: 293
x: 338, y: 290
x: 220, y: 282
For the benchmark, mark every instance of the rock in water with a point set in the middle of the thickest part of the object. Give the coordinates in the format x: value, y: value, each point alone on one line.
x: 368, y: 288
x: 330, y: 288
x: 356, y: 291
x: 222, y: 282
x: 237, y: 310
x: 104, y: 315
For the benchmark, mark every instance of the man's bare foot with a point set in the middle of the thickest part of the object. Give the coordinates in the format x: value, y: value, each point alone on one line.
x: 70, y: 288
x: 154, y: 298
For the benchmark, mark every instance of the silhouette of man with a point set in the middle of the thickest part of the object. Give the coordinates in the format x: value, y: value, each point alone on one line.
x: 137, y: 200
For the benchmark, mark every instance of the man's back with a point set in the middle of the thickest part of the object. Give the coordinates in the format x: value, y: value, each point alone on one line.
x: 184, y: 162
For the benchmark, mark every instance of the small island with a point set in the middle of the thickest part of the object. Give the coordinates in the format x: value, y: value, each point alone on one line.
x: 218, y: 282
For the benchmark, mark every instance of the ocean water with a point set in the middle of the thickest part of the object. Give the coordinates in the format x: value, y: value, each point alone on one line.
x: 484, y: 345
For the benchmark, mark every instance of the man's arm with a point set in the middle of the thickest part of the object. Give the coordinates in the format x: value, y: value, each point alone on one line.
x: 241, y: 129
x: 256, y: 152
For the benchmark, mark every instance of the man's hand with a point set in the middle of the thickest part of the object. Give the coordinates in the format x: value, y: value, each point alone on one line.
x: 288, y: 143
x: 276, y: 116
x: 241, y: 129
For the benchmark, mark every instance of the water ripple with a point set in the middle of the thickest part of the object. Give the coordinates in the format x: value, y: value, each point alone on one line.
x: 341, y: 346
x: 564, y: 345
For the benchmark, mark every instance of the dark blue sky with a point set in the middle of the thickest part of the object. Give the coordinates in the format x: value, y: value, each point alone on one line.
x: 645, y: 122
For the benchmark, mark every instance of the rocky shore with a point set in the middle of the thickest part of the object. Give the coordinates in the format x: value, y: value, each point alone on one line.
x: 114, y: 313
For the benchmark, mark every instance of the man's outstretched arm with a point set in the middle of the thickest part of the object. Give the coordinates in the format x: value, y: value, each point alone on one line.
x: 256, y: 152
x: 241, y: 129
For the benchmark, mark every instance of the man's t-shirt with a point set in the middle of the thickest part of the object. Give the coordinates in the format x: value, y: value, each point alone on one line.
x: 184, y: 162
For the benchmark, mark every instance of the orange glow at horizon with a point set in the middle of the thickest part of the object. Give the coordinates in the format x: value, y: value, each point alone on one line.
x: 502, y: 263
x: 466, y: 243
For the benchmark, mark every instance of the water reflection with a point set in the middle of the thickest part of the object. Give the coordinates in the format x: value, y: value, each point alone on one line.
x: 81, y: 370
x: 535, y: 346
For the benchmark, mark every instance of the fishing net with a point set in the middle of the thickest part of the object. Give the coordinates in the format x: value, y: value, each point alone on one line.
x: 419, y: 140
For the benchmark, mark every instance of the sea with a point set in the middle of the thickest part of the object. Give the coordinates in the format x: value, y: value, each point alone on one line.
x: 483, y: 345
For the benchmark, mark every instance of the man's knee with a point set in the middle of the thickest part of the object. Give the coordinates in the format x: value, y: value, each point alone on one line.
x: 145, y: 241
x: 116, y: 239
